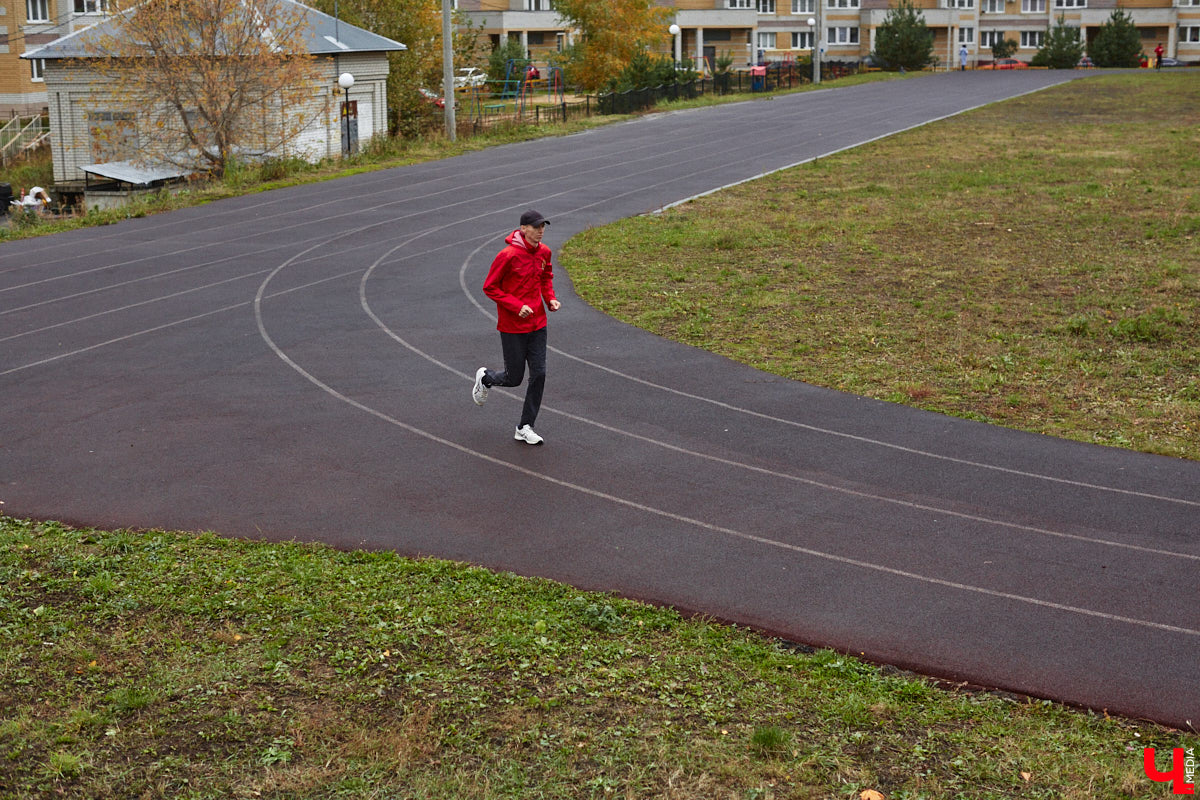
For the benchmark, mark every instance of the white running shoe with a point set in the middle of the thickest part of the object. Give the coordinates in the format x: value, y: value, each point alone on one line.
x: 479, y: 392
x: 525, y: 434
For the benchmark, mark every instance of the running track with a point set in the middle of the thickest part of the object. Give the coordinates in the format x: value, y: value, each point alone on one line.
x: 297, y: 364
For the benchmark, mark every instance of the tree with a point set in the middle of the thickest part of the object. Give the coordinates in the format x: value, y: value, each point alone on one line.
x: 609, y: 34
x: 1004, y: 48
x: 416, y: 23
x: 205, y: 79
x: 902, y: 41
x: 509, y: 52
x: 1118, y: 43
x: 1062, y: 49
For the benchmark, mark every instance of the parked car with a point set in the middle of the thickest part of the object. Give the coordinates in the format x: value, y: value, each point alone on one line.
x: 1167, y: 61
x: 432, y: 97
x: 1006, y: 63
x: 469, y: 78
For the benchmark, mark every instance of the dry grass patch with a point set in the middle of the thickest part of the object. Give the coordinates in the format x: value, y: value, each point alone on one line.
x: 1032, y: 264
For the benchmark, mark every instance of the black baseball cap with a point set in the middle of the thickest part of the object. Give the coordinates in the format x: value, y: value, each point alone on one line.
x: 534, y: 218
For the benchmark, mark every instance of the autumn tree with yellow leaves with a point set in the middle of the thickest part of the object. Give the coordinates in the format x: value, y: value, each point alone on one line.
x: 207, y: 80
x: 609, y: 34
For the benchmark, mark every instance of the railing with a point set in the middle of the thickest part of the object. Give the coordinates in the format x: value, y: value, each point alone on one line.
x: 20, y: 134
x: 487, y: 110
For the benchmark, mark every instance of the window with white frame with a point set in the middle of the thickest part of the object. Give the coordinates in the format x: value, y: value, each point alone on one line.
x: 960, y: 3
x: 992, y: 6
x: 843, y: 35
x: 1070, y: 3
x: 804, y: 6
x: 1033, y: 6
x: 841, y: 4
x: 537, y: 5
x: 37, y: 10
x: 766, y: 41
x: 1188, y: 3
x: 990, y: 38
x: 802, y: 40
x: 37, y: 69
x: 966, y: 36
x: 1189, y: 33
x: 1032, y: 39
x: 739, y: 3
x: 90, y: 6
x: 766, y: 6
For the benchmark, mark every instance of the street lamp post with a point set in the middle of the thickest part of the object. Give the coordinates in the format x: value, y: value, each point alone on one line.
x: 674, y: 30
x: 346, y: 80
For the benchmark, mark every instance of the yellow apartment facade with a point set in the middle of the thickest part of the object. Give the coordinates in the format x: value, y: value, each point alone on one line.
x: 27, y: 25
x: 748, y: 30
x: 780, y: 30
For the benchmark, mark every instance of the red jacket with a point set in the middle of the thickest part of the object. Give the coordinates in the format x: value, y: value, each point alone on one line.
x: 520, y: 277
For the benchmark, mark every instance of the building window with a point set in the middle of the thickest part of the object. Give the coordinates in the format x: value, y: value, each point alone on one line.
x: 766, y: 41
x: 804, y: 6
x: 802, y: 41
x: 91, y: 6
x: 1189, y: 33
x: 37, y: 69
x: 1070, y: 3
x: 739, y: 3
x: 992, y: 6
x: 841, y: 4
x: 1033, y: 6
x: 960, y: 3
x: 766, y: 6
x: 1031, y: 39
x: 843, y: 35
x: 966, y: 36
x: 37, y: 10
x: 990, y: 38
x: 539, y: 5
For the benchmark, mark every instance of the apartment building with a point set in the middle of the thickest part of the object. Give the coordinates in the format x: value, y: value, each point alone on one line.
x: 26, y: 25
x: 780, y: 30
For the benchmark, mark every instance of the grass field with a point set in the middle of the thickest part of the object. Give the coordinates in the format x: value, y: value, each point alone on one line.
x: 1032, y: 263
x: 159, y: 665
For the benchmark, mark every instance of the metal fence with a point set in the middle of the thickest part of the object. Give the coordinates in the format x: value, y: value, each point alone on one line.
x: 486, y: 112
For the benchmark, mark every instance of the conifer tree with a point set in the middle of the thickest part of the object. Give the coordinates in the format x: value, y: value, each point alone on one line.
x: 903, y: 41
x: 1062, y: 49
x: 1118, y: 43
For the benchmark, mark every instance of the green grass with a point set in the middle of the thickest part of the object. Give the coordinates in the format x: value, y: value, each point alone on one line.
x: 153, y: 664
x: 1031, y: 264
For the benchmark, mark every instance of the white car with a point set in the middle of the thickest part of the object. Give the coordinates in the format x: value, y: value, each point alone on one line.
x: 469, y: 77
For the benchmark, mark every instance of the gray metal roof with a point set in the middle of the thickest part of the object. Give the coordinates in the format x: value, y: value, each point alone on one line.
x: 324, y: 35
x: 136, y: 173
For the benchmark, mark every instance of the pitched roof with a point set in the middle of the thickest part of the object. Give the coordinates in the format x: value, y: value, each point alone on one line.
x: 324, y: 35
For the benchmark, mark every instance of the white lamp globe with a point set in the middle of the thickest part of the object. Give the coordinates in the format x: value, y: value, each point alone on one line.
x: 673, y: 30
x: 345, y: 80
x: 811, y: 22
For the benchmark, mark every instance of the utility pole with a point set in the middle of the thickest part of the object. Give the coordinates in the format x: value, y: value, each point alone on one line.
x: 448, y: 69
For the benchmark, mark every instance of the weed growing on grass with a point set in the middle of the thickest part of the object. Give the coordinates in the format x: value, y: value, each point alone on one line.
x: 218, y: 668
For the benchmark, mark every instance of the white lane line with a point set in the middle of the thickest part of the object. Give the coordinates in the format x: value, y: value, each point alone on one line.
x: 166, y: 325
x: 662, y: 513
x: 366, y: 306
x: 134, y: 305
